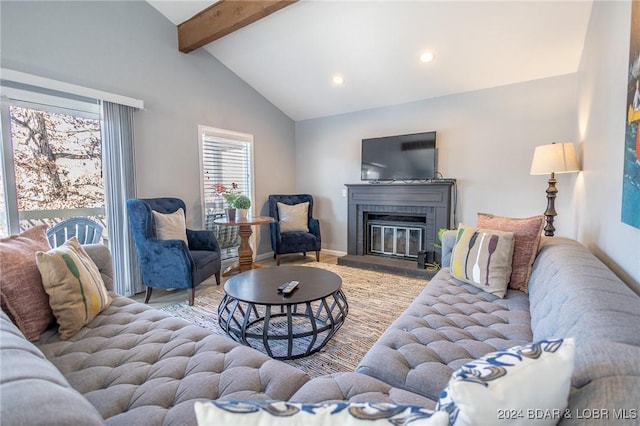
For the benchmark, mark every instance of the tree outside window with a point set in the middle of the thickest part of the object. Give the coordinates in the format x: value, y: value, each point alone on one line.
x: 57, y: 158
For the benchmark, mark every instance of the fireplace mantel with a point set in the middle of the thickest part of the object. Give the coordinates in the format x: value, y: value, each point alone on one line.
x: 431, y: 200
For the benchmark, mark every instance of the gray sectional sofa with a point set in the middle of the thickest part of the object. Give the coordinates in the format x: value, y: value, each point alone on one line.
x: 136, y: 365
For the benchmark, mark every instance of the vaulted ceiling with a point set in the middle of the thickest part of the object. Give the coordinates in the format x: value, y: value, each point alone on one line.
x: 292, y: 56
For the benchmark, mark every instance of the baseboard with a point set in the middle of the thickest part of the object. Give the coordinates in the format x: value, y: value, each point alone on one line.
x: 263, y: 256
x: 336, y: 253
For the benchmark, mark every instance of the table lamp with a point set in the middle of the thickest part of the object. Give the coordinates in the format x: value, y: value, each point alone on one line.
x: 553, y: 158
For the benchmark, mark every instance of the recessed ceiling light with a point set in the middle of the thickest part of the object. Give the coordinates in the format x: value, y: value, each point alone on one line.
x: 427, y: 57
x: 338, y: 80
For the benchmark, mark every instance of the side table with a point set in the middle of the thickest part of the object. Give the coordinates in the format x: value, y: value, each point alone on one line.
x: 245, y: 253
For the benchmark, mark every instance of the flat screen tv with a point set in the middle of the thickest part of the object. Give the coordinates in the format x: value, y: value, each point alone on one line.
x: 402, y: 157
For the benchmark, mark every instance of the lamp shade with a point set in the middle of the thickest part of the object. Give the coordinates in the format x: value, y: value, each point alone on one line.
x: 554, y: 158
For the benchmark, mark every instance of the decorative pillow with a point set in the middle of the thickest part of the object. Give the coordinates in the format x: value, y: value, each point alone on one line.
x: 23, y: 297
x: 527, y: 233
x: 482, y: 258
x: 294, y: 217
x: 171, y: 226
x: 512, y: 386
x: 262, y: 413
x: 74, y: 285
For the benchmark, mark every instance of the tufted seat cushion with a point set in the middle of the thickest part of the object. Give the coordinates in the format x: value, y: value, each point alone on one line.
x: 355, y: 387
x: 138, y: 365
x: 449, y: 324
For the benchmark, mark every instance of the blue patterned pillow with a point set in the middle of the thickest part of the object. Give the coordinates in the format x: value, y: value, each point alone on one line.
x: 258, y: 413
x: 526, y: 384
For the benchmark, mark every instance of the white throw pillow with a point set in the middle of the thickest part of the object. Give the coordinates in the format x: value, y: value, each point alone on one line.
x: 171, y: 226
x: 293, y: 217
x: 263, y: 413
x: 522, y: 385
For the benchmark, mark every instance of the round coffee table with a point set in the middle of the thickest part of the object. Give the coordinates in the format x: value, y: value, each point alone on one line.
x: 253, y: 313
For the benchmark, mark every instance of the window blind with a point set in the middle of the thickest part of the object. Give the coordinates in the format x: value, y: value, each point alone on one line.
x: 226, y: 160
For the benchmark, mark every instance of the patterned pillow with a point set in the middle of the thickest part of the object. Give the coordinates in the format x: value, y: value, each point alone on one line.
x: 512, y: 386
x: 23, y: 297
x: 171, y: 226
x: 258, y: 413
x: 482, y: 258
x: 527, y: 233
x: 74, y: 285
x: 293, y: 217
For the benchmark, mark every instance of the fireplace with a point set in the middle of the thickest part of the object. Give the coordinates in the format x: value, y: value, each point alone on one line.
x: 388, y: 224
x: 391, y: 235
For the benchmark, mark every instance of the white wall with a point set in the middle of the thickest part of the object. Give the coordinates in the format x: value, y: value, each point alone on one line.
x: 485, y: 140
x: 602, y: 112
x: 130, y: 49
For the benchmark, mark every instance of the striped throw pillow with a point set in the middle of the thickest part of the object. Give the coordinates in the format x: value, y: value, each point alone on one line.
x: 482, y: 258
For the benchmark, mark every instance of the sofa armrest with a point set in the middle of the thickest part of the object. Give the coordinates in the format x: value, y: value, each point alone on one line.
x: 34, y: 391
x: 101, y: 256
x: 448, y: 241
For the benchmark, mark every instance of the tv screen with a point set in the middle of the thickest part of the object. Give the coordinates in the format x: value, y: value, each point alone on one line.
x: 403, y: 157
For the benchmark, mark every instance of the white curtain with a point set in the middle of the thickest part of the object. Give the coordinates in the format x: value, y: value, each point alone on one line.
x: 120, y: 185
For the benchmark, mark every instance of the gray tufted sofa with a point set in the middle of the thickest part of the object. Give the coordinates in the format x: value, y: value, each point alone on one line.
x: 131, y: 365
x: 136, y: 365
x: 571, y: 294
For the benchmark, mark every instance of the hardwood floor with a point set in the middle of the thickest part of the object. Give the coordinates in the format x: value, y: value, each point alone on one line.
x: 161, y: 297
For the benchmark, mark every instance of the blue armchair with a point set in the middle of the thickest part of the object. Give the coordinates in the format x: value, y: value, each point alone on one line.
x: 297, y: 240
x: 171, y: 263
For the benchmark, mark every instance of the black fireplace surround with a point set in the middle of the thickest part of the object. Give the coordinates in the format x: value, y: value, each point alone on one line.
x: 427, y: 205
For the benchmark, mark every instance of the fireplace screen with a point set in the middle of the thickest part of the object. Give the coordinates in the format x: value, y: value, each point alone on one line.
x: 395, y: 240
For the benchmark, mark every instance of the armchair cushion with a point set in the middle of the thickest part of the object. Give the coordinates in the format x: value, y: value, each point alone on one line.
x: 298, y: 241
x: 171, y: 226
x: 293, y: 217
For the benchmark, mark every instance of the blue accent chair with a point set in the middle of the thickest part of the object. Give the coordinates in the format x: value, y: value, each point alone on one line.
x: 170, y: 263
x: 84, y: 229
x: 296, y: 241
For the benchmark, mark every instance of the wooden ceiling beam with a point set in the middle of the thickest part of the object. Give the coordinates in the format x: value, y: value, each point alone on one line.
x: 222, y: 18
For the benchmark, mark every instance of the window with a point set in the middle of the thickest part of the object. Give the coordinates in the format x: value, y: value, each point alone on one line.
x: 52, y: 165
x: 226, y: 159
x: 89, y: 119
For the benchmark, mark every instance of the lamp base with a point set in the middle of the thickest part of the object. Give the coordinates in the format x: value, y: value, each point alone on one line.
x: 551, y: 213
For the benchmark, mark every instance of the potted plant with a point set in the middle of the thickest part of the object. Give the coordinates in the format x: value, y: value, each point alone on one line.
x: 241, y: 203
x: 235, y: 201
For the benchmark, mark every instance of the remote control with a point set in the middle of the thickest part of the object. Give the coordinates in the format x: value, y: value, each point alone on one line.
x: 288, y: 289
x: 283, y: 286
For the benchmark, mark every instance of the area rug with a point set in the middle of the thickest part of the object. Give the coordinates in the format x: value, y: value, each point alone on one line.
x: 375, y: 300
